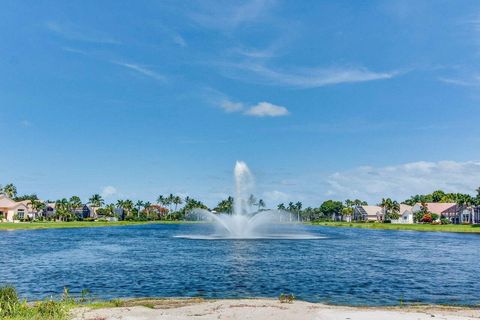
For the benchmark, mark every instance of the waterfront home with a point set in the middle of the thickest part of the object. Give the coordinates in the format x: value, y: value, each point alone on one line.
x: 468, y: 215
x: 368, y: 213
x: 11, y: 210
x: 406, y: 215
x: 84, y: 211
x: 451, y: 211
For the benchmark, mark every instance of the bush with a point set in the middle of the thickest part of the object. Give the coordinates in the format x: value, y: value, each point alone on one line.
x: 9, y: 302
x: 427, y: 218
x: 50, y: 309
x: 286, y: 298
x: 444, y: 221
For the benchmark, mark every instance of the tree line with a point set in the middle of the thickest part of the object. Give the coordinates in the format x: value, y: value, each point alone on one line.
x: 174, y: 207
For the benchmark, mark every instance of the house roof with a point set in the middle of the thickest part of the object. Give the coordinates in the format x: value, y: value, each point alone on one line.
x: 6, y: 202
x: 372, y: 210
x: 438, y: 207
x: 404, y: 208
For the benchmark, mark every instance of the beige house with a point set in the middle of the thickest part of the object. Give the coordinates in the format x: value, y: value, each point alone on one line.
x: 368, y: 213
x: 11, y: 210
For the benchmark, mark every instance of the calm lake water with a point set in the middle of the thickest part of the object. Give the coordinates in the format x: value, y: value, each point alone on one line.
x: 349, y: 266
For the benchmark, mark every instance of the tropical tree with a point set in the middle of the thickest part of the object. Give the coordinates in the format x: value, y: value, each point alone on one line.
x: 260, y: 204
x: 252, y: 201
x: 10, y: 190
x: 331, y: 208
x: 225, y: 206
x: 96, y: 201
x: 177, y: 201
x: 281, y: 207
x: 139, y: 205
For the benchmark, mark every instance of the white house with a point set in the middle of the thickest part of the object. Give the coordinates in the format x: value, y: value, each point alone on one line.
x: 406, y: 215
x: 11, y: 210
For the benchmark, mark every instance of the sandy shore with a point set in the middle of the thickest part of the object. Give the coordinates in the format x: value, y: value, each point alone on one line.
x: 245, y: 309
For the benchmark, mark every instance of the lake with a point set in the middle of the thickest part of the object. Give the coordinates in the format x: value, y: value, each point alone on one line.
x: 349, y: 266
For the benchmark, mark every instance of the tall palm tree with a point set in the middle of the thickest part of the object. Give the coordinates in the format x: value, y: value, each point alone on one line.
x: 261, y: 204
x: 176, y: 201
x: 128, y: 206
x: 110, y: 209
x: 96, y: 201
x: 139, y: 206
x: 10, y: 190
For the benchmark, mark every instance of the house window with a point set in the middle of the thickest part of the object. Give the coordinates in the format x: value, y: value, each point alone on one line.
x: 21, y: 214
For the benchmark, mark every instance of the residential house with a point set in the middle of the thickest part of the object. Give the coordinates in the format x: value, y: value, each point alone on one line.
x: 11, y: 210
x: 406, y: 215
x: 368, y: 213
x: 451, y: 211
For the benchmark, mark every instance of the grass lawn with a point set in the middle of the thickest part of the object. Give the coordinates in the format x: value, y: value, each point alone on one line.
x: 413, y: 227
x: 72, y: 224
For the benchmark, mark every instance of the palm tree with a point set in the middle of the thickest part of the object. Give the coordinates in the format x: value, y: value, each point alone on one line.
x: 176, y: 201
x: 281, y: 206
x: 96, y: 201
x: 10, y: 190
x: 298, y: 208
x: 139, y: 205
x: 37, y: 205
x: 110, y: 209
x: 128, y: 206
x: 252, y: 200
x: 146, y: 207
x: 261, y: 204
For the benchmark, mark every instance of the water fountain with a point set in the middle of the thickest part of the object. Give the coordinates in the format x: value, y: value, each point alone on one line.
x: 247, y: 222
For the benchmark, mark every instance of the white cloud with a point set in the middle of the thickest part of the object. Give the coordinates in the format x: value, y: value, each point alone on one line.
x: 304, y: 77
x: 402, y: 181
x: 109, y: 191
x: 261, y: 109
x: 266, y: 109
x: 141, y: 69
x: 230, y: 106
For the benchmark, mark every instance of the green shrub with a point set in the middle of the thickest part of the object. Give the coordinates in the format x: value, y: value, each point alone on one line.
x: 9, y: 303
x: 286, y: 298
x: 50, y: 309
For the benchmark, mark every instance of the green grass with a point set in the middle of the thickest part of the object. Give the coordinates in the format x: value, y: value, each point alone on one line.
x: 74, y: 224
x: 411, y: 227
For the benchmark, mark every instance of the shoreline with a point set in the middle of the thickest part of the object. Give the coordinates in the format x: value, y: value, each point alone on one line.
x: 263, y: 308
x: 455, y: 228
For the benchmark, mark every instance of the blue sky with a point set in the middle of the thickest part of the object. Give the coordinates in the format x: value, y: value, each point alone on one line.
x: 322, y: 99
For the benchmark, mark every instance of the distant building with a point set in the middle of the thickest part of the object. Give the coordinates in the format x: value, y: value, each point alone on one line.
x: 406, y: 215
x: 368, y: 213
x: 11, y: 210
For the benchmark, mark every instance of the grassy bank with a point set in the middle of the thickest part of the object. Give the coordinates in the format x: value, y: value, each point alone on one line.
x: 74, y: 224
x: 412, y: 227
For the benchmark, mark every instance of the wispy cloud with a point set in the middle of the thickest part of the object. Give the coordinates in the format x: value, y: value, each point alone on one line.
x: 142, y: 70
x: 303, y: 77
x: 72, y: 32
x: 228, y: 16
x: 402, y: 181
x: 230, y: 106
x: 179, y: 40
x: 267, y: 109
x: 25, y: 123
x: 472, y: 81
